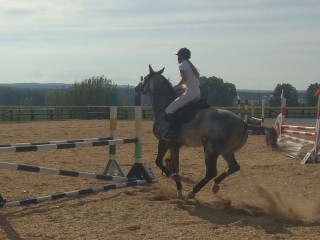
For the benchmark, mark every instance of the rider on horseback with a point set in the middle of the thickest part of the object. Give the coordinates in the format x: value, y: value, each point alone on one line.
x: 189, y: 77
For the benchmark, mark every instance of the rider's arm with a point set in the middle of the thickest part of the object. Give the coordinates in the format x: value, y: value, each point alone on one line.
x: 182, y: 81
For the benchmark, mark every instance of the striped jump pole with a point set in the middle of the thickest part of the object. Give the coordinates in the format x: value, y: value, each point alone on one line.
x: 139, y: 173
x: 298, y: 127
x: 299, y: 132
x: 138, y: 128
x: 139, y: 170
x: 298, y: 140
x: 32, y: 148
x: 314, y: 155
x: 262, y: 110
x: 68, y: 173
x: 284, y: 129
x: 112, y: 167
x: 246, y: 109
x: 56, y: 142
x: 283, y: 107
x: 76, y: 193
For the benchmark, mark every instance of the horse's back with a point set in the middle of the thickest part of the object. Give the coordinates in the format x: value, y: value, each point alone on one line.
x: 221, y: 128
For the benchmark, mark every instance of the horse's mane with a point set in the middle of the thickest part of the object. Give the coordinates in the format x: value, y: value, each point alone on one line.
x: 170, y: 91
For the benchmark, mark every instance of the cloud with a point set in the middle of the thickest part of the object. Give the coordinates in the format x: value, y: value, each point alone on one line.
x: 229, y: 38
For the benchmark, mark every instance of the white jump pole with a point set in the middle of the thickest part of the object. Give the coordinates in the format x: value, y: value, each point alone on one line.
x: 317, y: 140
x: 262, y: 110
x: 239, y: 105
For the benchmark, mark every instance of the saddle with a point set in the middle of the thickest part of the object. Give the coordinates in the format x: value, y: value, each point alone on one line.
x: 187, y: 112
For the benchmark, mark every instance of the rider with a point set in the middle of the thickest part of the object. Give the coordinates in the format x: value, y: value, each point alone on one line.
x: 190, y: 77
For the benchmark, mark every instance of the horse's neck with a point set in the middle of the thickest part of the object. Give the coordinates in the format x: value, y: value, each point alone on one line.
x: 160, y: 102
x: 162, y: 97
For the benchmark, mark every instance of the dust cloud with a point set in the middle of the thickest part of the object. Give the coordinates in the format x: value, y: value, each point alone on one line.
x: 282, y: 206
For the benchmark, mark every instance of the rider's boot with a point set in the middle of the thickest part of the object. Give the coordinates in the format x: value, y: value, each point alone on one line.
x: 172, y: 132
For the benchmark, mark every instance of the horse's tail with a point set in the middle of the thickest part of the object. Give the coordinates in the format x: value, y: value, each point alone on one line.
x: 271, y: 137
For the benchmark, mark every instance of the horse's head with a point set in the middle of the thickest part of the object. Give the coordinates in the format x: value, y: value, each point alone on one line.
x: 147, y: 85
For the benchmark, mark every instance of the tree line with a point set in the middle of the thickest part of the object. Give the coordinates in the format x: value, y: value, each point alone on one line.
x: 97, y: 91
x: 220, y: 93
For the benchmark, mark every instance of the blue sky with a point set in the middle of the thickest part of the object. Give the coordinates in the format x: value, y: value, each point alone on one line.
x: 254, y: 44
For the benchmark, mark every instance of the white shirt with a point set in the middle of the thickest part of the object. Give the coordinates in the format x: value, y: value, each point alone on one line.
x: 192, y: 80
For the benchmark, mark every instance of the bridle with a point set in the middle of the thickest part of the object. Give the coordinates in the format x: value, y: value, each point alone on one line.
x: 146, y: 82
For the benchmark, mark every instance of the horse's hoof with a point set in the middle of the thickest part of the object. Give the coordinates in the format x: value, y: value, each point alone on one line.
x: 215, y: 188
x: 180, y: 194
x: 191, y: 195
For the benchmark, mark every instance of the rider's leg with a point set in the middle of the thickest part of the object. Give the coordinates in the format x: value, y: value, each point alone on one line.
x: 188, y: 96
x: 172, y: 132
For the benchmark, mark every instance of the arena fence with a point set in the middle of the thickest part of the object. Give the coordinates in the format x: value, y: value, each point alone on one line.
x: 23, y: 114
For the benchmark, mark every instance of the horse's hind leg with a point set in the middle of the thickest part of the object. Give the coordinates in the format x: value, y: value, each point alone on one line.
x: 211, y: 172
x: 233, y: 167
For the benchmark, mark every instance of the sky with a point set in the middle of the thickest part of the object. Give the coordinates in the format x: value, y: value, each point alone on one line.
x: 253, y: 44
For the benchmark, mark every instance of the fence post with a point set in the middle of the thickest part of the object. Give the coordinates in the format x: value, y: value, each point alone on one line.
x: 32, y: 115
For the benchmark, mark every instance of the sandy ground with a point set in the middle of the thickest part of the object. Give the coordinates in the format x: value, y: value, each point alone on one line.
x: 272, y: 197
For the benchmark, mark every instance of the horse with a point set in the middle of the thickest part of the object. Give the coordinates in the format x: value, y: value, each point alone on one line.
x: 220, y: 132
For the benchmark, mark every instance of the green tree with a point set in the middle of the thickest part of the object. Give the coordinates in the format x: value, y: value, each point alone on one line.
x: 59, y: 97
x: 289, y: 92
x: 217, y: 92
x: 311, y: 100
x: 95, y: 91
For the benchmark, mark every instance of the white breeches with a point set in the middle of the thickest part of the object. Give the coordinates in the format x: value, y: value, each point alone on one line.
x: 191, y: 93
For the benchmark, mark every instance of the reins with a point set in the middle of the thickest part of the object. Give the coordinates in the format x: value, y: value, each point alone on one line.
x: 153, y: 93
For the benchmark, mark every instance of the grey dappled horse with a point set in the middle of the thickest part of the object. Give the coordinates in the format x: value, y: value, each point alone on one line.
x: 220, y: 132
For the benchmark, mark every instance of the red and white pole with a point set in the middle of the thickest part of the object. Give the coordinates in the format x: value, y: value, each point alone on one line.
x: 283, y: 108
x: 246, y: 109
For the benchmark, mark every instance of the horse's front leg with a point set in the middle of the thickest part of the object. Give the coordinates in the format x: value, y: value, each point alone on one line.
x: 174, y: 151
x: 162, y: 149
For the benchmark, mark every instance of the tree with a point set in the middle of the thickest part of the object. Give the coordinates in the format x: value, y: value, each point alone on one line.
x: 311, y: 100
x: 217, y: 92
x: 95, y: 91
x: 59, y: 97
x: 289, y: 92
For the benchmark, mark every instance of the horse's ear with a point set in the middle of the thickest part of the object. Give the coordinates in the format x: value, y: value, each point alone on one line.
x: 150, y: 69
x: 161, y: 71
